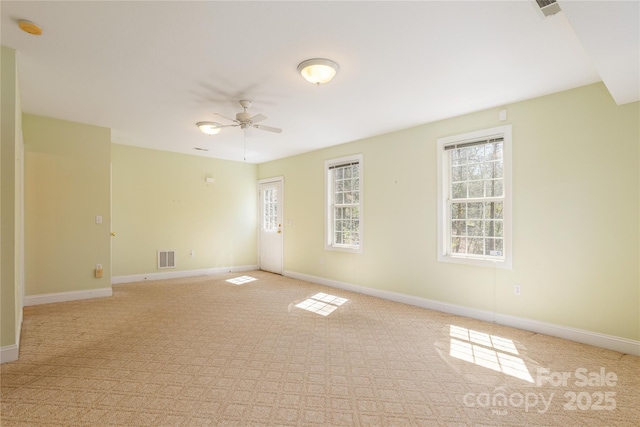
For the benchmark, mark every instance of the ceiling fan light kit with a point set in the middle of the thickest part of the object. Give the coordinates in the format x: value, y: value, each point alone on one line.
x: 210, y: 128
x: 318, y: 70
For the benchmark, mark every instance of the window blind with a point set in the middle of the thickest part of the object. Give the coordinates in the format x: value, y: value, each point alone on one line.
x: 342, y: 165
x: 472, y: 143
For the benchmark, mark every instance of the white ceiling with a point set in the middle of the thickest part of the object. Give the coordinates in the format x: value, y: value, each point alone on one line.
x: 150, y: 70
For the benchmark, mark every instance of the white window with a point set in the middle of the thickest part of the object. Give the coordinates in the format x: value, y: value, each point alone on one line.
x: 343, y: 181
x: 474, y: 198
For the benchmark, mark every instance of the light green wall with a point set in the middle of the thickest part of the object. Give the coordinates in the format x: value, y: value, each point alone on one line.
x: 67, y: 184
x: 10, y: 201
x: 575, y: 203
x: 161, y: 201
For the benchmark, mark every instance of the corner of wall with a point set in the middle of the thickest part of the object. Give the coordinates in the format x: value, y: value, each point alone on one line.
x: 11, y: 181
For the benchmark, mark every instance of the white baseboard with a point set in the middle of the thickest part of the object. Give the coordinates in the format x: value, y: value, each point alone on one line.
x: 622, y: 345
x: 116, y: 280
x: 67, y: 296
x: 9, y: 353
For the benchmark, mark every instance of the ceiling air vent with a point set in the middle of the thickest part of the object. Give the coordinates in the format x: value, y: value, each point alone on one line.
x: 548, y: 7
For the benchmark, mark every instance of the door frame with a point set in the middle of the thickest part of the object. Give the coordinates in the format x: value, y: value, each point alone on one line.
x: 279, y: 179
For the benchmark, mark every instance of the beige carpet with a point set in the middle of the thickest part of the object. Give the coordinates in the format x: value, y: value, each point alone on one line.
x: 204, y: 351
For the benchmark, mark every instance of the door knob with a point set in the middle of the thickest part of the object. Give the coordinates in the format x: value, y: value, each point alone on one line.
x: 113, y: 234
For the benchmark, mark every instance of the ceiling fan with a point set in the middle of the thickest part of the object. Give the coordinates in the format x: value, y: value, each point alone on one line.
x: 243, y: 119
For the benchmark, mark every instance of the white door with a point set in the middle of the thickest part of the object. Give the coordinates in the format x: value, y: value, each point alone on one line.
x: 270, y: 225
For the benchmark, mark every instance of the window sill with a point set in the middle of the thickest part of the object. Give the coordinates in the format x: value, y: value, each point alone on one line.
x: 351, y: 249
x: 493, y: 263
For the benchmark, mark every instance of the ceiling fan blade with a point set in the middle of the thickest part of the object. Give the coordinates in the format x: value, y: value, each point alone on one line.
x: 268, y: 128
x: 224, y: 117
x: 258, y: 118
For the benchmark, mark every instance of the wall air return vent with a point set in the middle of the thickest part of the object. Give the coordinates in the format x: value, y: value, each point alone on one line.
x: 547, y: 7
x: 166, y: 259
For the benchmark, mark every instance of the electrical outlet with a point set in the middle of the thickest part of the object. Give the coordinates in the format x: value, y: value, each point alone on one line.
x: 516, y: 289
x: 321, y: 261
x: 192, y: 254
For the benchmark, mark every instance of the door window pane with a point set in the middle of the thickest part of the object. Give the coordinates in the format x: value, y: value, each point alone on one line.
x: 270, y: 209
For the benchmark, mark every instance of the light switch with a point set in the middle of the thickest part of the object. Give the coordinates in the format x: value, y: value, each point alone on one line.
x: 98, y: 219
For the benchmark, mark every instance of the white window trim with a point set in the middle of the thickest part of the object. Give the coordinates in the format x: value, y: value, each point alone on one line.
x: 328, y: 225
x: 443, y: 188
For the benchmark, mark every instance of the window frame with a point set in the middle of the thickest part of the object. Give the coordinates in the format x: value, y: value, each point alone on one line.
x: 443, y: 193
x: 328, y: 201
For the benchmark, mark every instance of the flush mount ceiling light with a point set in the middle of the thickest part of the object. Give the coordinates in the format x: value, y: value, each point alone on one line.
x: 30, y: 27
x: 318, y: 70
x: 210, y: 128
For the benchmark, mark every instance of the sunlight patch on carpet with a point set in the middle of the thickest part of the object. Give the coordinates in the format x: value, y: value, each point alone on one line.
x: 322, y: 304
x: 241, y: 280
x: 489, y: 351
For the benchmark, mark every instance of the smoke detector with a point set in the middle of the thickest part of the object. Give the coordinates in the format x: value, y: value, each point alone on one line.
x: 30, y: 27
